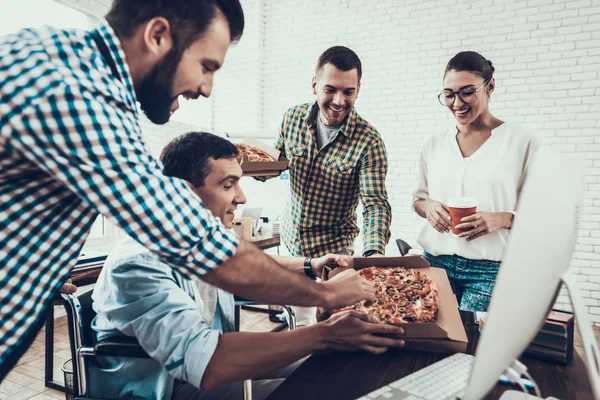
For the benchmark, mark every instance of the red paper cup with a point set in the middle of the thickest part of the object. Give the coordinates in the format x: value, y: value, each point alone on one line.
x: 460, y: 207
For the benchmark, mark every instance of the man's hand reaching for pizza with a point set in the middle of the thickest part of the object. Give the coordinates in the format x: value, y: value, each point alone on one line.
x: 350, y: 331
x: 347, y: 288
x: 331, y: 260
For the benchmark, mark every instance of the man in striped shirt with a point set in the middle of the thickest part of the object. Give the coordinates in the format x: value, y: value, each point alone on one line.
x: 71, y: 147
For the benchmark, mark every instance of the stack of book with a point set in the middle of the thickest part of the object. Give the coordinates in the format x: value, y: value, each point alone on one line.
x: 554, y: 342
x: 276, y: 227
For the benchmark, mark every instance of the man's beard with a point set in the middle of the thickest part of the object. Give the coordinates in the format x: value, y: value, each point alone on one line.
x: 155, y: 93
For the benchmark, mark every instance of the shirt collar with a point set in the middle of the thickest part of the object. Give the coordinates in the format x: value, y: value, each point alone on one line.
x: 118, y: 54
x: 347, y: 128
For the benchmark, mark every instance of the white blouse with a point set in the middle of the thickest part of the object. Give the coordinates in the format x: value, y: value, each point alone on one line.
x: 494, y: 175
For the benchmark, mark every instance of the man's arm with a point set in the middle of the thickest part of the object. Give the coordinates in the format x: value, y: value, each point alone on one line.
x: 141, y: 297
x: 252, y: 274
x: 280, y: 142
x: 243, y: 355
x: 377, y: 213
x: 279, y: 145
x: 107, y: 166
x: 146, y: 302
x: 296, y: 264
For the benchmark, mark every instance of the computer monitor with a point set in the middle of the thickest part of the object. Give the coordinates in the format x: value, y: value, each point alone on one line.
x: 252, y: 212
x: 539, y: 252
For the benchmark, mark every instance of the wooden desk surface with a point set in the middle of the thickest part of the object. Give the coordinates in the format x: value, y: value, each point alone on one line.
x: 266, y: 240
x: 340, y: 376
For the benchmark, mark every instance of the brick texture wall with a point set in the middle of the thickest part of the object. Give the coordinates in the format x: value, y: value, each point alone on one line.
x: 547, y: 59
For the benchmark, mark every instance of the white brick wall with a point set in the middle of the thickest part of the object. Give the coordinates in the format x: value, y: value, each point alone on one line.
x: 547, y: 59
x: 97, y: 8
x: 237, y: 90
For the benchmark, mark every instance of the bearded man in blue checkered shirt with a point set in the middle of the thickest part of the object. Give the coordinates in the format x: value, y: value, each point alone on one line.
x: 71, y: 147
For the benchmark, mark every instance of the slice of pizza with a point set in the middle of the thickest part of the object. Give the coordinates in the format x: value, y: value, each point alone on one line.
x: 253, y: 154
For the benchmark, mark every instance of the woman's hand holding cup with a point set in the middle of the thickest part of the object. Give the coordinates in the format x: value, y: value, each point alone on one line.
x: 482, y: 223
x: 437, y: 215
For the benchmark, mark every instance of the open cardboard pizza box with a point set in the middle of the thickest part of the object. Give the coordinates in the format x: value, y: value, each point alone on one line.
x: 254, y: 168
x: 447, y: 333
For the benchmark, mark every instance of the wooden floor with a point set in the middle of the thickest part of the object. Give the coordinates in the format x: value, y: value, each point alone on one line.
x: 26, y: 380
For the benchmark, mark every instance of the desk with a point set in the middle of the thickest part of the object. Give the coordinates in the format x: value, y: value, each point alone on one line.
x: 341, y: 376
x: 266, y: 240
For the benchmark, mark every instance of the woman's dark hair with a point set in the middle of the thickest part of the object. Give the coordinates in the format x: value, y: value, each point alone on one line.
x: 342, y: 58
x: 186, y: 157
x: 188, y: 19
x: 473, y: 62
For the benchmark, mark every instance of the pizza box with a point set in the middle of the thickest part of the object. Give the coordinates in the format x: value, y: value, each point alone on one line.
x: 254, y: 168
x: 447, y: 333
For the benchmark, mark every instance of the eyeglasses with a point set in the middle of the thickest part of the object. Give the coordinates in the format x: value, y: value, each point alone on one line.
x: 466, y: 95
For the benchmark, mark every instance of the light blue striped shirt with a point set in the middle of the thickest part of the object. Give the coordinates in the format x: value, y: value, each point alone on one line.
x: 138, y: 295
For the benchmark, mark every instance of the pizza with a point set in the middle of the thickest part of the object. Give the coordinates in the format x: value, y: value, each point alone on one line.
x: 403, y: 295
x: 253, y: 154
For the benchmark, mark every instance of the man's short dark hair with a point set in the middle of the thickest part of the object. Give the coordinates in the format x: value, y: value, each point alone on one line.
x: 187, y: 156
x: 189, y: 19
x: 342, y: 58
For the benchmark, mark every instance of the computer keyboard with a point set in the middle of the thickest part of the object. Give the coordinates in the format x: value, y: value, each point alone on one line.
x: 446, y: 379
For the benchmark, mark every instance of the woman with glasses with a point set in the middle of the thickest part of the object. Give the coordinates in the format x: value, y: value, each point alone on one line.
x: 483, y: 158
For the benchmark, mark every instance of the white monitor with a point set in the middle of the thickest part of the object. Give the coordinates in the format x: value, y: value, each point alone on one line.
x: 252, y: 212
x: 538, y: 254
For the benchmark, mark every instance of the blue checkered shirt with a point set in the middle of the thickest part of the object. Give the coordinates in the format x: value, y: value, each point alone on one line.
x: 71, y: 147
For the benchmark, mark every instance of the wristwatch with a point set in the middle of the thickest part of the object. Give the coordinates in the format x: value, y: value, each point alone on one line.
x: 308, y: 269
x: 369, y: 253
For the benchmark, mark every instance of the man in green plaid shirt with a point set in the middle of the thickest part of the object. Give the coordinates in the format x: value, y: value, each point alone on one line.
x: 336, y: 158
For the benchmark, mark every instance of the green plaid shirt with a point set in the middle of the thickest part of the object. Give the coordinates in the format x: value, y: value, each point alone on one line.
x: 327, y: 184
